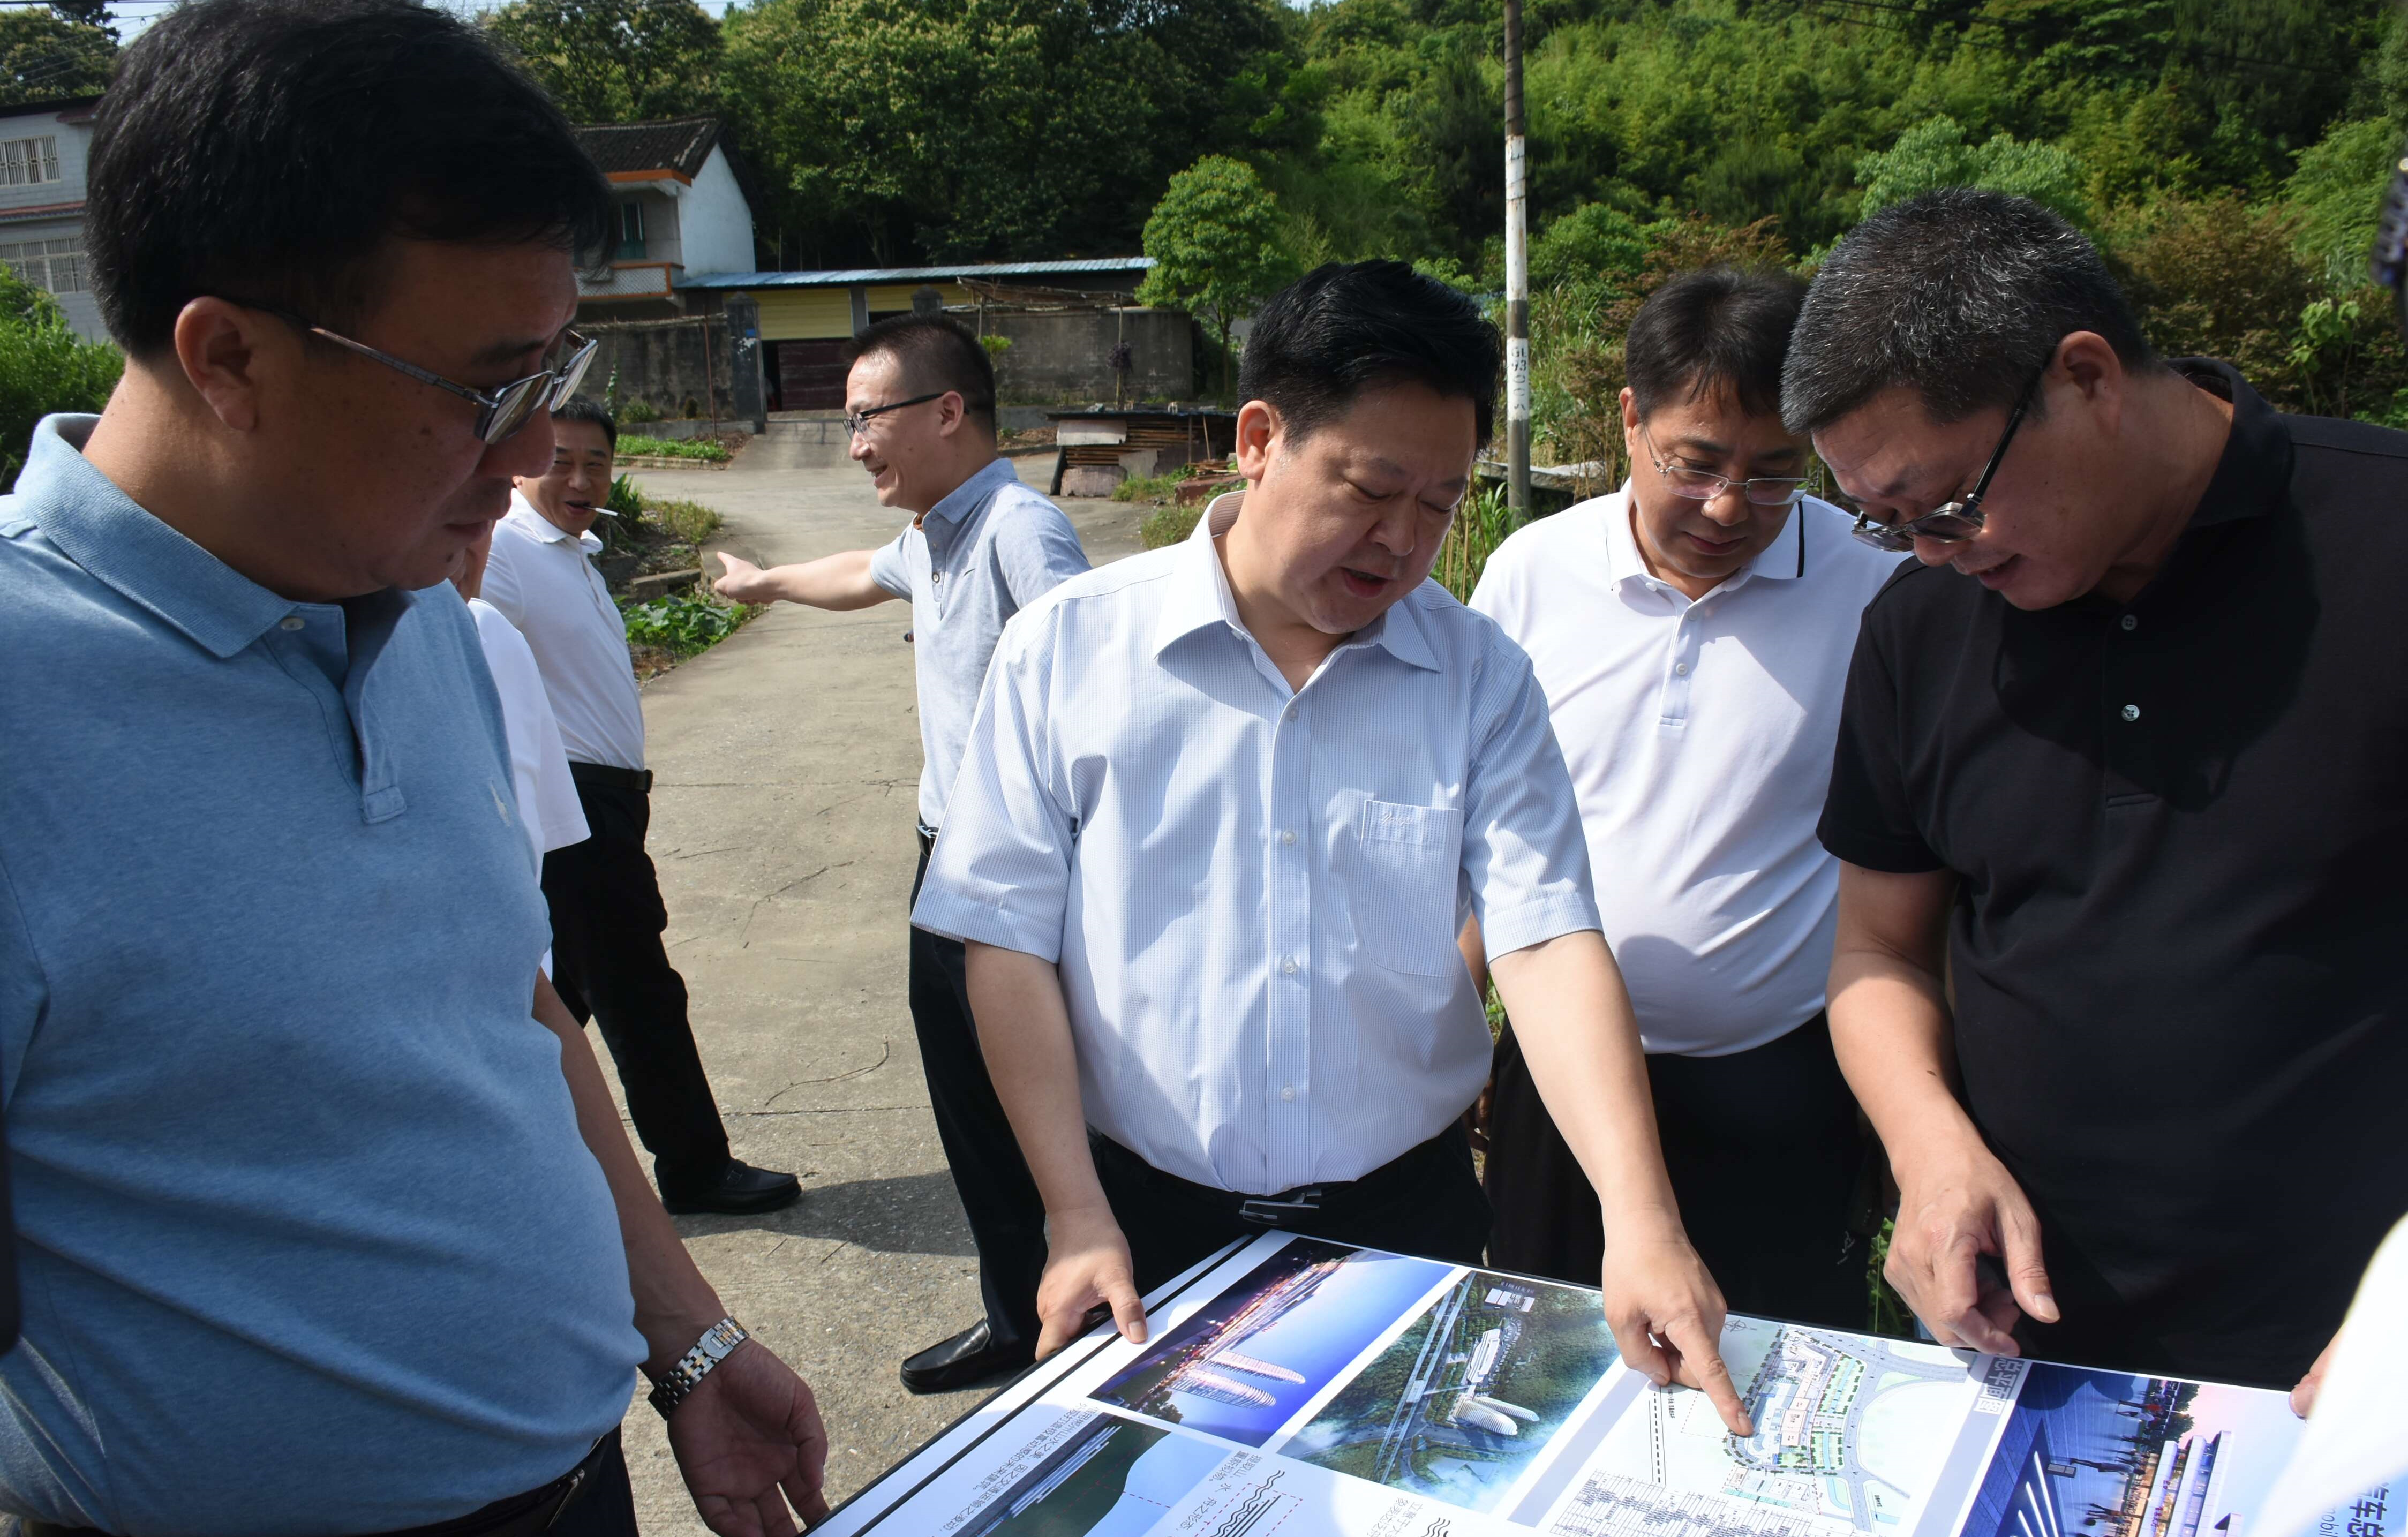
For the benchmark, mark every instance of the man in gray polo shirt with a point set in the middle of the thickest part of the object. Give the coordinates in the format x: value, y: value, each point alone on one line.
x: 327, y: 1223
x: 919, y: 399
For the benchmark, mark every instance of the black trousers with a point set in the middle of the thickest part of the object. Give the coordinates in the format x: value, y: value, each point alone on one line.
x: 1764, y: 1152
x: 608, y: 966
x: 1007, y: 1215
x: 1425, y: 1201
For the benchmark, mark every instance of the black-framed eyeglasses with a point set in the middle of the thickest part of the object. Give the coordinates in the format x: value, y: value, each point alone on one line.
x: 501, y: 411
x: 1704, y: 485
x: 856, y: 422
x: 1950, y: 521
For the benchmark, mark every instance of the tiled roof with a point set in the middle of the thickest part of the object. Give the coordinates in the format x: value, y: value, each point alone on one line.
x: 673, y: 144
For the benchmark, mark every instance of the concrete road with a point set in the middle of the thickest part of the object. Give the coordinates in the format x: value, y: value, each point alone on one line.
x: 788, y: 763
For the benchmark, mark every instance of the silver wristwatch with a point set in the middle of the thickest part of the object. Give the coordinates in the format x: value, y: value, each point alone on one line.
x: 717, y: 1344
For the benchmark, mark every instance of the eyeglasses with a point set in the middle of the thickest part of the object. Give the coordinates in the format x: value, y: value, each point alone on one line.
x: 1704, y: 485
x: 1950, y: 521
x: 856, y: 423
x: 500, y: 412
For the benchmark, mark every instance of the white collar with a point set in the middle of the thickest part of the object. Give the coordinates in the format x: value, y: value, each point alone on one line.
x: 1200, y: 596
x: 1776, y: 561
x: 524, y: 517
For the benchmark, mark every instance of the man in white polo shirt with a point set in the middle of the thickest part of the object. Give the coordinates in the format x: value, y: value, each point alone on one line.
x: 605, y: 897
x: 1222, y: 812
x: 1692, y: 632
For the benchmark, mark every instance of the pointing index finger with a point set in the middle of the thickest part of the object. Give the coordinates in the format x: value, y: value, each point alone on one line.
x: 1701, y: 1368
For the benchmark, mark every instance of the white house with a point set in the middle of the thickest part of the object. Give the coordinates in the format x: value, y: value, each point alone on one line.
x: 680, y: 210
x: 44, y: 148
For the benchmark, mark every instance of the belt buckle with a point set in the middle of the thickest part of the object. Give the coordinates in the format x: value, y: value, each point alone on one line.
x: 1275, y: 1211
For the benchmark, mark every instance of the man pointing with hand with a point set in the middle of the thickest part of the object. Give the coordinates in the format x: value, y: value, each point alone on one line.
x: 1221, y: 814
x: 920, y: 405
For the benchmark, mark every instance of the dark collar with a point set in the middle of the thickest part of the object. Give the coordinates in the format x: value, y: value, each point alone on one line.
x: 2253, y: 477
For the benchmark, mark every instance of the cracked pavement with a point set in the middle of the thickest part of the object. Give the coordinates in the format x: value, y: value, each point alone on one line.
x: 787, y: 763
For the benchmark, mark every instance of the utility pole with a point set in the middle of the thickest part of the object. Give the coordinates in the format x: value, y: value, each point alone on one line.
x: 1517, y: 278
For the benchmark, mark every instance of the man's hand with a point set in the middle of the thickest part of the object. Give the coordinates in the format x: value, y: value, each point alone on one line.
x: 2304, y: 1396
x: 750, y: 1429
x: 1087, y: 1267
x: 1954, y: 1208
x: 1667, y: 1315
x: 745, y: 582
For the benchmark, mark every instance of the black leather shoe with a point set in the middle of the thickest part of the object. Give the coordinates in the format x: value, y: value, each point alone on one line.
x: 968, y: 1358
x: 739, y: 1190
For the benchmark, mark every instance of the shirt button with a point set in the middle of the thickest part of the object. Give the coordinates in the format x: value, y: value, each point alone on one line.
x: 1288, y: 966
x: 936, y: 576
x: 1288, y: 1094
x: 2131, y: 713
x: 2131, y: 621
x: 1287, y: 836
x: 1291, y: 713
x: 1683, y: 669
x: 291, y: 622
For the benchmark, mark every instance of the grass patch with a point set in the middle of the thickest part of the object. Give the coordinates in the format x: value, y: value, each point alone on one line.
x: 703, y: 449
x: 1154, y: 488
x: 689, y: 521
x: 1169, y: 525
x: 1481, y: 525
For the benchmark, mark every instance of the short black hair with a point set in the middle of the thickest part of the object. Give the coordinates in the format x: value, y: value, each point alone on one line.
x: 1347, y: 327
x: 264, y: 151
x: 1960, y: 296
x: 935, y: 354
x: 1718, y: 329
x: 579, y: 408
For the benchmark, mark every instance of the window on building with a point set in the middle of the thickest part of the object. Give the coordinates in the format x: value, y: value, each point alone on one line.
x: 24, y: 161
x: 53, y: 264
x: 631, y: 232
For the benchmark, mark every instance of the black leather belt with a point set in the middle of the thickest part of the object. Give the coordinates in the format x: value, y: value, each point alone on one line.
x: 1285, y: 1209
x: 637, y: 780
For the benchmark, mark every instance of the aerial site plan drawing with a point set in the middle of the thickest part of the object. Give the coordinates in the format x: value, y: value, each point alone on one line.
x: 1291, y: 1388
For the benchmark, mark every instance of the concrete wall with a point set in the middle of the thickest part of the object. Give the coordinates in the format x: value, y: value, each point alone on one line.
x: 1064, y: 357
x: 666, y: 363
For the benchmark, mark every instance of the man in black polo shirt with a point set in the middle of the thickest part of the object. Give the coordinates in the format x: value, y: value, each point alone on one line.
x: 2141, y: 756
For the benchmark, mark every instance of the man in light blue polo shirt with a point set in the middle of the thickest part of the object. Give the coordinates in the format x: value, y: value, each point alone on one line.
x: 327, y: 1223
x: 919, y: 399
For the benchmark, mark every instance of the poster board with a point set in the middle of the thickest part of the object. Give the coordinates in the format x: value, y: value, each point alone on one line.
x: 1293, y: 1388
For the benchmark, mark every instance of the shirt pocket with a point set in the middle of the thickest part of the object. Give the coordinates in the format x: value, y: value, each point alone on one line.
x: 1403, y: 895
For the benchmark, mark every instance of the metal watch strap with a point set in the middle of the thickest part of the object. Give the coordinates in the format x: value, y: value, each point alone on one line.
x: 717, y: 1343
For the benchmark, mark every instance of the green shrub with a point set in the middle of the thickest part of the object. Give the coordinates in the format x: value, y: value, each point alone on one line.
x: 680, y: 624
x: 625, y: 499
x: 673, y: 448
x: 1169, y: 525
x: 640, y: 409
x: 44, y: 368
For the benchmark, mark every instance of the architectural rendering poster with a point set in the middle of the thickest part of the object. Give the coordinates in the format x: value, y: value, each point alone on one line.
x: 1298, y: 1388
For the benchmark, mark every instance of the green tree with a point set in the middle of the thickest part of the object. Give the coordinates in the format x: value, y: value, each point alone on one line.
x: 44, y: 56
x: 1934, y: 154
x: 44, y: 368
x: 1215, y: 241
x: 616, y: 61
x: 894, y: 129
